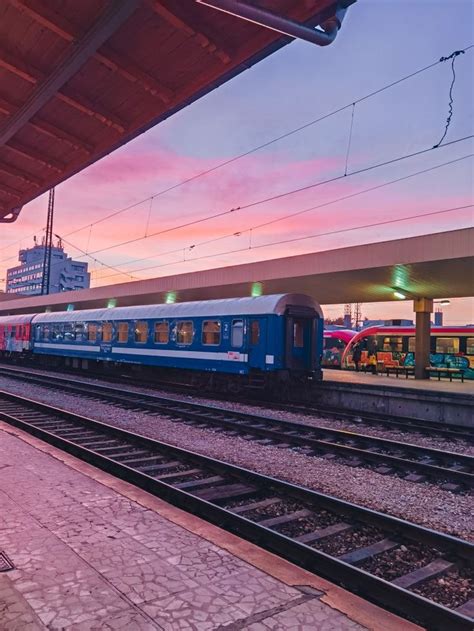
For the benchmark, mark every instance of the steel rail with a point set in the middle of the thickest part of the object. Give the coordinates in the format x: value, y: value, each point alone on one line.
x: 450, y: 432
x: 440, y: 466
x: 129, y: 456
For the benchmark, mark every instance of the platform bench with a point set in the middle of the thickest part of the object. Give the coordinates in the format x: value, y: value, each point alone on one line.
x: 400, y: 370
x: 446, y: 372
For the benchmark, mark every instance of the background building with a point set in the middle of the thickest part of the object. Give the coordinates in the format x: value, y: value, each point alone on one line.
x: 65, y: 274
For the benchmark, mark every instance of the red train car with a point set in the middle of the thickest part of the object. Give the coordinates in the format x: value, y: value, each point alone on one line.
x: 451, y: 346
x: 15, y: 334
x: 334, y: 345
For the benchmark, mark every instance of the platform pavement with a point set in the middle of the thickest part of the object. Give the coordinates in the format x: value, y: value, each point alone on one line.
x: 381, y: 379
x: 92, y: 552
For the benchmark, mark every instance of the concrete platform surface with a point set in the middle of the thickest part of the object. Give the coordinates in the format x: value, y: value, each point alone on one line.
x: 381, y: 379
x: 93, y: 552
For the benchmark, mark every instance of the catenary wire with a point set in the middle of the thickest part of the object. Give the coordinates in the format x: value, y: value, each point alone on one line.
x: 265, y: 144
x: 313, y: 236
x: 281, y: 195
x: 300, y: 212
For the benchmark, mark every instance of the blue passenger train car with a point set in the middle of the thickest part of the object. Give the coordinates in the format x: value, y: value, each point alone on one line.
x: 265, y: 341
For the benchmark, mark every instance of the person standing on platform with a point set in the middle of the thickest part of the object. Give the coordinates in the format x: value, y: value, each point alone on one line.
x: 372, y: 360
x: 356, y: 356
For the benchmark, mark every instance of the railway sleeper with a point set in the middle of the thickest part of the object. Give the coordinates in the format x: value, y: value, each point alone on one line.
x: 271, y: 522
x: 422, y: 574
x: 223, y: 493
x: 467, y: 609
x: 194, y: 484
x: 361, y: 554
x: 322, y: 533
x: 168, y: 477
x: 151, y: 469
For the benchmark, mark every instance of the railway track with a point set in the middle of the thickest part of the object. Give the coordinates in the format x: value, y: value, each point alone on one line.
x: 365, y: 419
x: 452, y: 471
x: 389, y: 561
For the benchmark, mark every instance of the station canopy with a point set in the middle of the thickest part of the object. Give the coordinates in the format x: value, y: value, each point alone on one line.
x: 429, y: 266
x: 80, y: 78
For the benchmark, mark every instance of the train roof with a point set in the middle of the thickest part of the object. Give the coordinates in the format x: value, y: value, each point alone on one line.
x: 260, y: 305
x: 343, y: 334
x: 17, y: 319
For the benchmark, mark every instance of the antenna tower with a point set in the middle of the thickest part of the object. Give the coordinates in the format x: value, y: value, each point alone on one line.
x: 357, y: 315
x: 48, y: 244
x: 348, y: 315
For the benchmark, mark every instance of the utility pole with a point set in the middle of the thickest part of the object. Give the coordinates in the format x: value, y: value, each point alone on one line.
x: 348, y: 315
x: 48, y: 244
x: 357, y: 315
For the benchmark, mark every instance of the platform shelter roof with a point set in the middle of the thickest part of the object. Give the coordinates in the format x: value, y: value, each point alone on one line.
x: 81, y: 78
x: 437, y: 265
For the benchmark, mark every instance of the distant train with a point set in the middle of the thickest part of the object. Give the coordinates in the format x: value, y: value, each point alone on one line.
x: 334, y: 345
x: 268, y: 342
x: 451, y: 347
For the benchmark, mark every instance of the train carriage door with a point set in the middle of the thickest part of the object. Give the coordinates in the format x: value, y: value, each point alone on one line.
x: 257, y: 336
x: 300, y: 341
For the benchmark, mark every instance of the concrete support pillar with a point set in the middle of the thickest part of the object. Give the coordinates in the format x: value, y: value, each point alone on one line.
x: 423, y: 308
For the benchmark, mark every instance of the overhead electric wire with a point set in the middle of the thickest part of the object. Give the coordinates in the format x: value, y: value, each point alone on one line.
x: 84, y: 253
x: 311, y: 236
x: 280, y: 195
x: 12, y: 243
x: 294, y: 214
x: 265, y: 144
x: 249, y: 152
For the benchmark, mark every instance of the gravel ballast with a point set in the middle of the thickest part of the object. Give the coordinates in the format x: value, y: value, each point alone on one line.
x: 421, y: 503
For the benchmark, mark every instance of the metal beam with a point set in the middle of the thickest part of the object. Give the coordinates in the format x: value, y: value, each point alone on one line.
x: 20, y: 174
x: 11, y: 192
x: 199, y: 38
x: 108, y: 57
x: 85, y: 106
x: 46, y: 128
x: 106, y: 25
x: 36, y: 77
x: 31, y: 154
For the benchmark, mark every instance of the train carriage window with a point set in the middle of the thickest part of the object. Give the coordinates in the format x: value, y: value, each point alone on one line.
x: 448, y: 345
x: 469, y: 345
x: 162, y: 332
x: 38, y: 332
x: 91, y: 331
x: 254, y: 332
x: 122, y: 332
x: 334, y: 342
x: 107, y: 331
x: 141, y: 332
x: 211, y: 332
x: 69, y: 332
x: 237, y: 338
x: 411, y: 344
x: 57, y: 333
x: 80, y: 331
x: 298, y: 334
x: 391, y: 344
x: 46, y: 332
x: 184, y: 332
